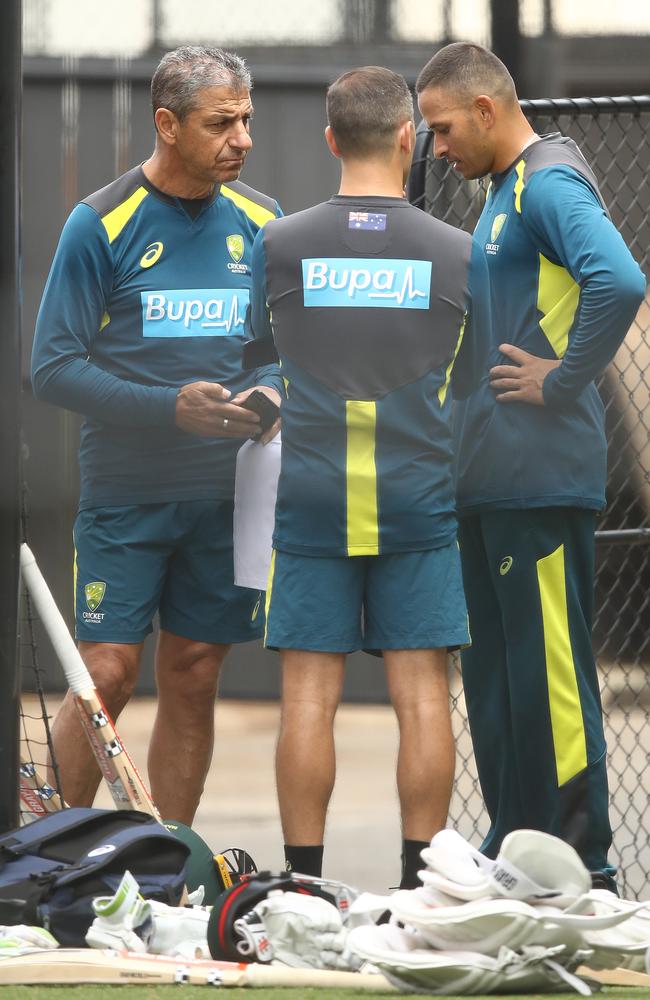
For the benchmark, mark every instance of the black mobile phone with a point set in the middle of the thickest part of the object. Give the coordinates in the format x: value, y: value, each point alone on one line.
x: 266, y: 409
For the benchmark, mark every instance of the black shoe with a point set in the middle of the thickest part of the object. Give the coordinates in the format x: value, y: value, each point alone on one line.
x: 601, y: 880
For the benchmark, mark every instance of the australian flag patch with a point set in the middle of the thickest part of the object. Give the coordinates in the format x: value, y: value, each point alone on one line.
x: 367, y: 220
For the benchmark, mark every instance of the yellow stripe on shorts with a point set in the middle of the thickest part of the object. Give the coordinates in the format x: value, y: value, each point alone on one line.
x: 269, y: 588
x: 74, y: 583
x: 567, y: 723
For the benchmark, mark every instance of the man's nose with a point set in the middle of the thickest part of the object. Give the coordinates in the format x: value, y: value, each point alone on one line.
x: 440, y: 147
x: 241, y: 137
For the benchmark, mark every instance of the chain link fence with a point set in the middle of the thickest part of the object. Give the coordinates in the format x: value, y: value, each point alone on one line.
x: 614, y: 136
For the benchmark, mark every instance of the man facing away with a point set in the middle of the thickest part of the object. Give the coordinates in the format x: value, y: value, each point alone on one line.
x: 369, y: 300
x: 531, y: 455
x: 141, y: 329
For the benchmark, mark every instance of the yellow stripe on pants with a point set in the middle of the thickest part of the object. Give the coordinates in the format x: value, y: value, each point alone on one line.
x: 567, y: 723
x: 361, y: 478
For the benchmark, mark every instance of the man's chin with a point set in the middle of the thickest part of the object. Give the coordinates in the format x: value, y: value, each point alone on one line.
x: 229, y: 171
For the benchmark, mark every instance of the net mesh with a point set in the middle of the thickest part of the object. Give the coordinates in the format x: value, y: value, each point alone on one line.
x: 40, y: 783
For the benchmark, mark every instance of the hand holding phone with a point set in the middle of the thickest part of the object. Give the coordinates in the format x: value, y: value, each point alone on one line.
x: 265, y: 408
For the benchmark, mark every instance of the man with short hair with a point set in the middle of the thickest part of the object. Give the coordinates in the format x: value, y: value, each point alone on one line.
x: 531, y: 455
x: 141, y: 329
x: 369, y: 299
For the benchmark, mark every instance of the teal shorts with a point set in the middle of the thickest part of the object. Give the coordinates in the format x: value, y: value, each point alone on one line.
x: 407, y: 600
x: 172, y: 558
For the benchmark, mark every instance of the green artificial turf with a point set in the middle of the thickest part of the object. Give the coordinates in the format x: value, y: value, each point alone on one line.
x: 198, y: 992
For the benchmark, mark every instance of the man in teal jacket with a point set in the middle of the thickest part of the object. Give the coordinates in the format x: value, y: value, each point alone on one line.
x: 531, y: 455
x: 141, y: 330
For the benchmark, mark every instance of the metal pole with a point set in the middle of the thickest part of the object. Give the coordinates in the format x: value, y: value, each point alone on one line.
x: 11, y: 90
x: 506, y: 36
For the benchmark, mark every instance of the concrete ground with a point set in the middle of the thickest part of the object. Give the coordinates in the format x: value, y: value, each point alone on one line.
x: 239, y: 806
x: 362, y: 843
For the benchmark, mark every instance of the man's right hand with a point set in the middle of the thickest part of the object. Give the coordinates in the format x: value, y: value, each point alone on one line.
x: 202, y: 408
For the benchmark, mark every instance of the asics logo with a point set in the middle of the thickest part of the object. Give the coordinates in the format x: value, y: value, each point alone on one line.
x: 194, y: 312
x: 151, y: 254
x: 369, y: 283
x: 504, y: 565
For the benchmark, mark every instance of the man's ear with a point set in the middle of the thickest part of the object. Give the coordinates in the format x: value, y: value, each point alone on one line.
x: 166, y: 125
x: 331, y: 142
x: 407, y: 137
x: 485, y: 108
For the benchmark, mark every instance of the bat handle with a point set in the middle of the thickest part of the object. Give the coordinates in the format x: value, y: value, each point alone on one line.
x: 67, y: 653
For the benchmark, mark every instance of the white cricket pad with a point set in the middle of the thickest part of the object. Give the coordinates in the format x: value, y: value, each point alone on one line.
x: 533, y: 866
x: 402, y: 957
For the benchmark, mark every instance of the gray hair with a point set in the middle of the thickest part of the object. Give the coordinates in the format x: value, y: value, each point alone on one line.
x: 364, y: 108
x: 182, y: 73
x: 469, y: 70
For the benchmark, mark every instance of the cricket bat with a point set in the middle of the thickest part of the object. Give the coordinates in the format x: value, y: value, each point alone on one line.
x: 37, y: 796
x: 118, y: 770
x: 615, y: 977
x: 87, y: 965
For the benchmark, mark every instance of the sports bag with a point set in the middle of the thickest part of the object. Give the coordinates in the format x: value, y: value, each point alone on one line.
x: 51, y: 869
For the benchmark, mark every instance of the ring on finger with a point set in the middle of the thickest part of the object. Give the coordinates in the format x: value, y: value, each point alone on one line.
x: 225, y: 422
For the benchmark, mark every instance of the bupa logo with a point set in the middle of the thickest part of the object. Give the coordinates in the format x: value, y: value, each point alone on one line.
x: 367, y: 283
x: 194, y: 312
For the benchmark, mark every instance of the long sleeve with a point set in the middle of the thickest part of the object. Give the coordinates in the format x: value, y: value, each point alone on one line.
x: 258, y: 323
x: 572, y: 229
x: 71, y: 315
x: 470, y: 365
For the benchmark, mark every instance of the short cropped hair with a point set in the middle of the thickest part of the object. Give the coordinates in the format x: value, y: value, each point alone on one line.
x: 364, y: 108
x: 469, y: 70
x: 182, y: 73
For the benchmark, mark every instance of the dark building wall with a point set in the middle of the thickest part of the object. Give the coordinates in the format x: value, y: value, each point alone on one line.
x: 71, y: 148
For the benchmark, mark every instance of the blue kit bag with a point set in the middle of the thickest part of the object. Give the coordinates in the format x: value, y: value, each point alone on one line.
x: 51, y: 869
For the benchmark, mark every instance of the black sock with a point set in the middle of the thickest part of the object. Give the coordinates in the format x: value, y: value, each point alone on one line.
x: 412, y: 863
x: 304, y: 860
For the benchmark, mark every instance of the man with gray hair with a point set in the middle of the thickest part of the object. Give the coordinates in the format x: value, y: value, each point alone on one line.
x: 141, y: 330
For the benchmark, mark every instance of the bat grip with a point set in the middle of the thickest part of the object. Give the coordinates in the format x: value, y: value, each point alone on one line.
x: 67, y: 653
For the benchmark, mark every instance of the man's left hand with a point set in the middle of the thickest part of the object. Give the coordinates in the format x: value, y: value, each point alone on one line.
x: 274, y: 396
x: 520, y: 382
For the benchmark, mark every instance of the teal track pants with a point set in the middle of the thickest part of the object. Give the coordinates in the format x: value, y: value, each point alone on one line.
x: 530, y: 679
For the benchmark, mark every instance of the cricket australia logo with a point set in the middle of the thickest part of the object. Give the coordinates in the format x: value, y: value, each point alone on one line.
x: 94, y: 594
x: 498, y: 224
x: 235, y: 247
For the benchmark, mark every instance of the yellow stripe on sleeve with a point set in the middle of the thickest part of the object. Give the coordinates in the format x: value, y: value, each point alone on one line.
x: 558, y: 296
x: 115, y: 220
x: 361, y: 478
x: 259, y: 215
x: 519, y: 184
x: 442, y: 391
x: 567, y: 722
